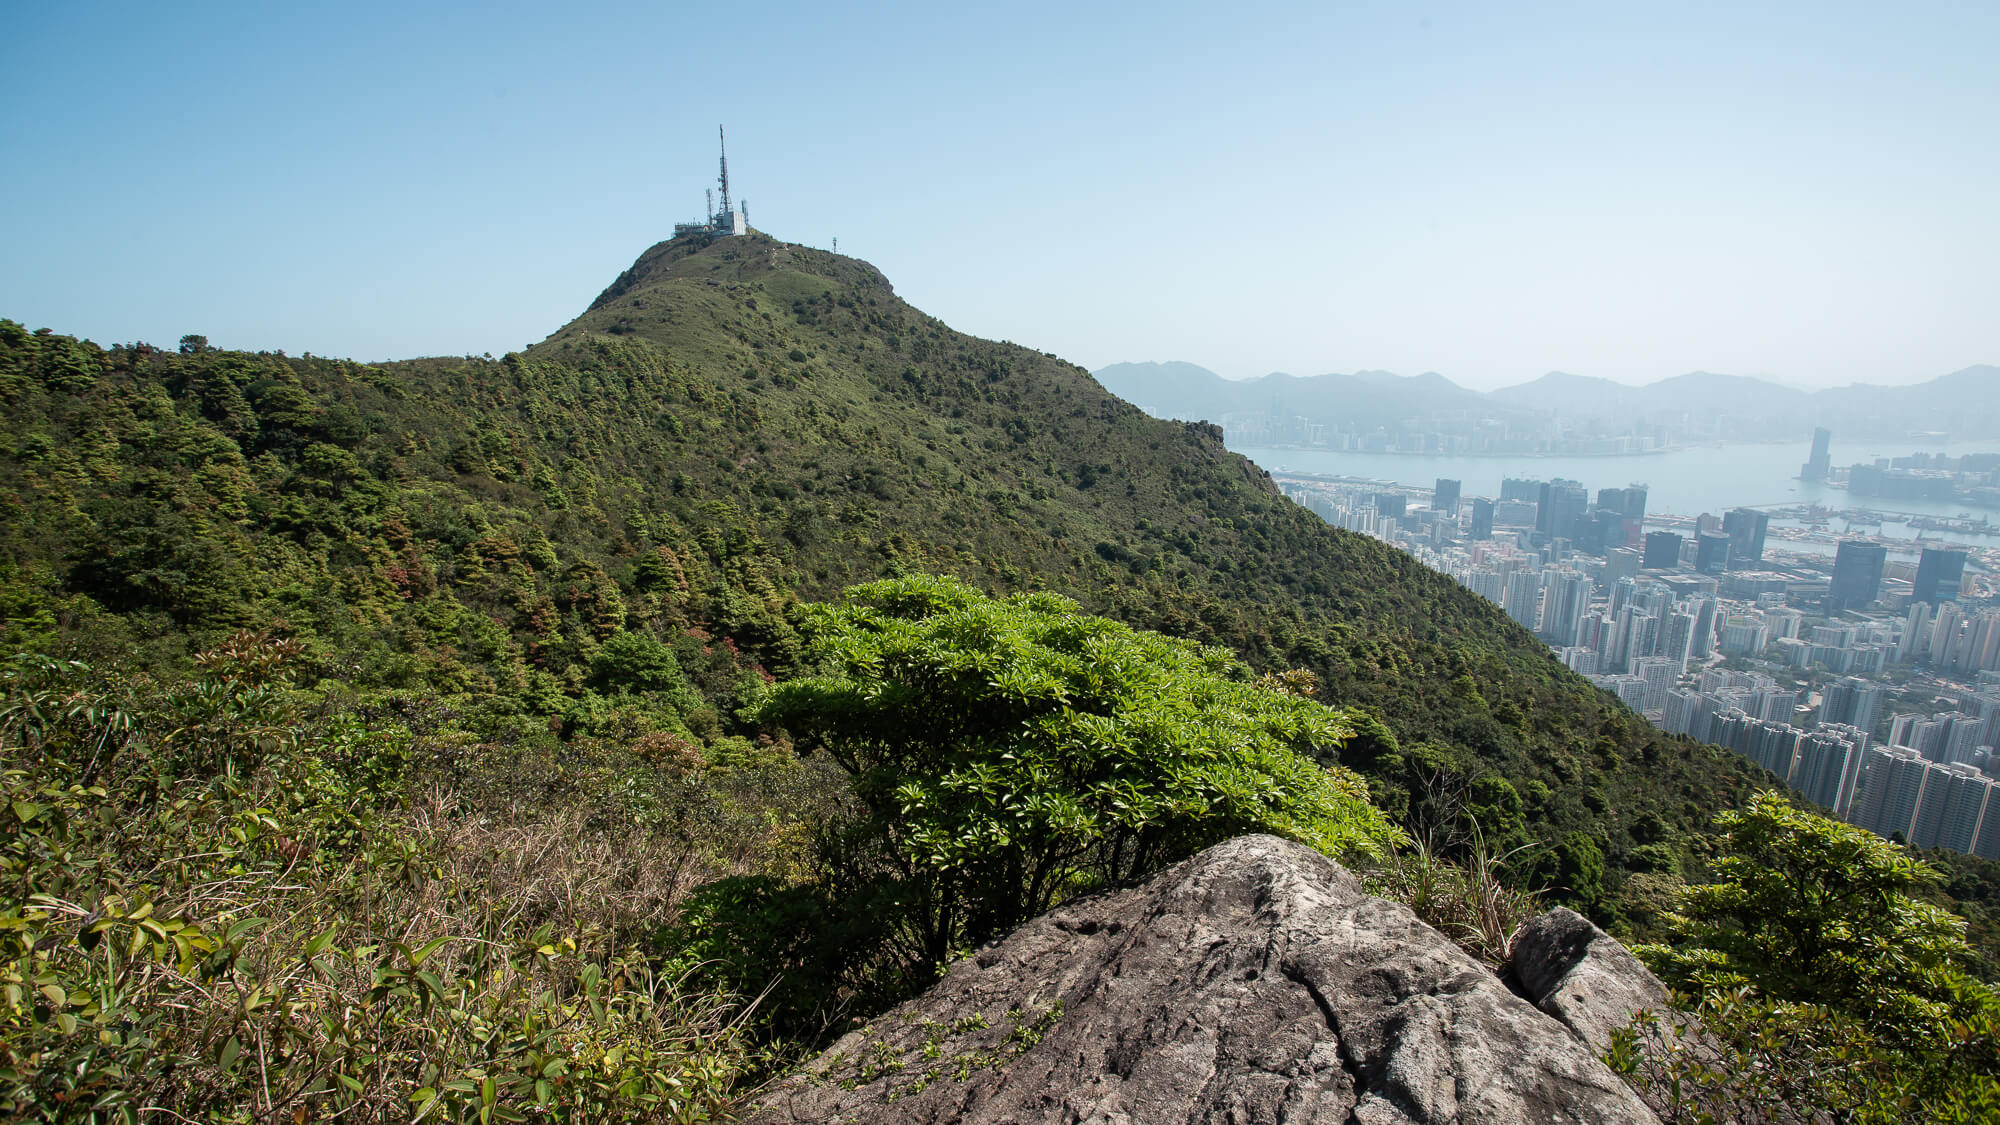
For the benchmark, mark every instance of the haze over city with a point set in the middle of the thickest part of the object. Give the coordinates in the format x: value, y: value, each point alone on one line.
x: 1795, y: 191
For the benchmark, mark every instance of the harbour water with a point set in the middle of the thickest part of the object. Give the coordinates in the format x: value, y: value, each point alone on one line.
x: 1682, y: 482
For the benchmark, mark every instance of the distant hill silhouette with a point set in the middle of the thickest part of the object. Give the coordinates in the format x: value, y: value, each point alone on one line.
x: 1373, y: 398
x: 1964, y: 404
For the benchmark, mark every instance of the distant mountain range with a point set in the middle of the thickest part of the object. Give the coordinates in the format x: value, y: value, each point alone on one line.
x: 1964, y: 404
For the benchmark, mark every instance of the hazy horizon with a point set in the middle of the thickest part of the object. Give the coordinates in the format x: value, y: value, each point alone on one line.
x: 1250, y: 377
x: 1800, y: 191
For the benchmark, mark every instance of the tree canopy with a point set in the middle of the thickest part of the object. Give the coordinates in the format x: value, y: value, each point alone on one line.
x: 1821, y: 981
x: 1810, y: 910
x: 1011, y: 752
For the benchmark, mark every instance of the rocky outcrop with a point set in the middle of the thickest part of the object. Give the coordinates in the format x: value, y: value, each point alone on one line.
x: 1254, y: 983
x: 1582, y: 976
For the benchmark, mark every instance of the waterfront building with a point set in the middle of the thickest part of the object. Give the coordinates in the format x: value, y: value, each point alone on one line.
x: 1663, y: 550
x: 1815, y: 468
x: 1746, y: 528
x: 1857, y: 575
x: 1444, y: 497
x: 1939, y: 572
x: 1482, y: 519
x: 1711, y: 552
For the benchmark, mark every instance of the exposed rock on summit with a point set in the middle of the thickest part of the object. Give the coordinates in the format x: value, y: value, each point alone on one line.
x: 1254, y: 983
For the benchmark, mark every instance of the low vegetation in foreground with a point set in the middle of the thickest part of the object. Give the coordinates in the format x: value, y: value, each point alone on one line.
x: 229, y: 898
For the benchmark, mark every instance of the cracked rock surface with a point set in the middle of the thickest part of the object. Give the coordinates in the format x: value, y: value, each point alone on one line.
x: 1256, y: 982
x: 1582, y: 976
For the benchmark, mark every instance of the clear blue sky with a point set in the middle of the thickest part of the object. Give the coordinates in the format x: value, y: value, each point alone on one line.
x: 1492, y: 191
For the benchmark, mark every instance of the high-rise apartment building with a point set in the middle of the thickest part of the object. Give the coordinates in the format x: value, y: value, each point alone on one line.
x: 1704, y: 627
x: 1893, y: 785
x: 1830, y: 760
x: 1523, y: 599
x: 1658, y: 673
x: 1745, y: 635
x: 1853, y: 701
x: 1560, y: 506
x: 1565, y: 602
x: 1955, y: 797
x: 1916, y: 637
x: 1947, y: 636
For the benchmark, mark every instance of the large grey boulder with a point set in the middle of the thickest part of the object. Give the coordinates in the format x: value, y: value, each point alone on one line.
x: 1582, y: 976
x: 1254, y: 983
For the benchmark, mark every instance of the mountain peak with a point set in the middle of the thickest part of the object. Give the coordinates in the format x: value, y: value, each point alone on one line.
x: 739, y: 258
x: 642, y: 300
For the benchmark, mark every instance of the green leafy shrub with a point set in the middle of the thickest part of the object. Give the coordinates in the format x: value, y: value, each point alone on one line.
x: 1821, y: 988
x: 1804, y: 909
x: 1010, y: 753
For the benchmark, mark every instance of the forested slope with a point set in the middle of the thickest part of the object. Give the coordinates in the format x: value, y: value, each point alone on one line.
x: 607, y: 533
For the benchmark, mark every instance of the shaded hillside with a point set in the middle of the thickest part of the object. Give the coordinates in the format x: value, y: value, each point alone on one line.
x: 635, y: 504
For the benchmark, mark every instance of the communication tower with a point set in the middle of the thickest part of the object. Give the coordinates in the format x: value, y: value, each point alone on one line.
x: 730, y: 218
x: 722, y: 143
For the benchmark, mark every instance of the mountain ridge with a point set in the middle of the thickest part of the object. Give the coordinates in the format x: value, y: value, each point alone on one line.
x: 729, y: 430
x: 1961, y: 401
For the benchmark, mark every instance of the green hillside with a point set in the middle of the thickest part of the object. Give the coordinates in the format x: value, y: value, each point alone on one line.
x: 730, y: 429
x: 421, y: 716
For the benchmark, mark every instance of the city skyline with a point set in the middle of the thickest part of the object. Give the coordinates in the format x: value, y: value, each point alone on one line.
x: 1871, y: 687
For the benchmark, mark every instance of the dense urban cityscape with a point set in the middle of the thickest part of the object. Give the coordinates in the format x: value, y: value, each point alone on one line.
x: 1866, y: 679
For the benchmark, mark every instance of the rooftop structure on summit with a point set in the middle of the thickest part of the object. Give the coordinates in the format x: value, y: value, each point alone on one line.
x: 730, y: 218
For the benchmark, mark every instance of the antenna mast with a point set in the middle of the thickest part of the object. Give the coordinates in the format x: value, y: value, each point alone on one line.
x: 723, y: 144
